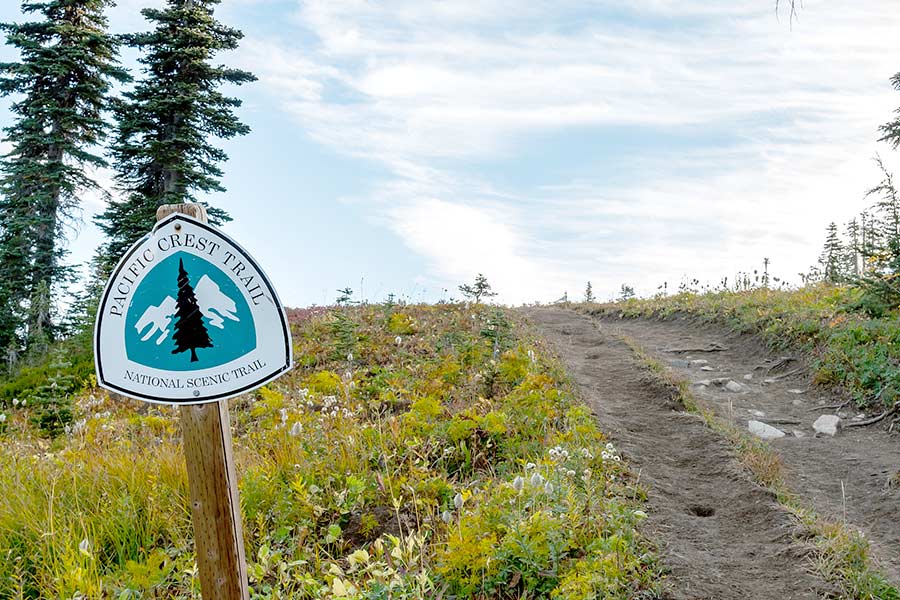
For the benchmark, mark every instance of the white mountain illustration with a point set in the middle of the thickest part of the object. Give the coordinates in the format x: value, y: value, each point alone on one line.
x: 214, y: 305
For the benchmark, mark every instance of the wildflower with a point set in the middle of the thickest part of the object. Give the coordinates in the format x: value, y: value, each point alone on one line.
x: 605, y: 455
x: 446, y: 516
x: 398, y: 340
x: 640, y: 514
x: 616, y: 458
x: 585, y: 453
x: 284, y: 415
x: 23, y: 402
x: 529, y: 466
x: 2, y: 418
x: 297, y: 429
x: 458, y: 501
x: 85, y: 547
x: 548, y: 488
x: 518, y: 483
x: 570, y: 473
x: 15, y: 401
x: 350, y: 357
x: 610, y: 447
x: 536, y: 480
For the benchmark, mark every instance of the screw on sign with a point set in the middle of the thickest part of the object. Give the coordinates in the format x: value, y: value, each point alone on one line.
x: 189, y: 318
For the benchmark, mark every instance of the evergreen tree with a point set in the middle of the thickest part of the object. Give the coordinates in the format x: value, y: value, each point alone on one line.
x: 67, y: 62
x: 589, y: 293
x: 886, y: 227
x: 161, y: 150
x: 852, y: 249
x: 891, y: 130
x: 190, y: 331
x: 480, y: 289
x: 832, y: 256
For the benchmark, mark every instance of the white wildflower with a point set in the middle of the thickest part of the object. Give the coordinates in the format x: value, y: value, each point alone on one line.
x: 2, y: 418
x: 350, y: 357
x: 536, y: 480
x: 570, y: 473
x: 296, y: 429
x: 446, y: 516
x: 640, y: 514
x: 15, y: 401
x: 548, y: 488
x: 458, y: 501
x: 398, y: 340
x: 518, y: 483
x: 585, y: 453
x: 610, y: 447
x: 85, y: 547
x: 529, y: 466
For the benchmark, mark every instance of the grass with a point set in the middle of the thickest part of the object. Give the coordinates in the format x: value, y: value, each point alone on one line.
x: 414, y: 452
x: 841, y: 556
x: 849, y: 350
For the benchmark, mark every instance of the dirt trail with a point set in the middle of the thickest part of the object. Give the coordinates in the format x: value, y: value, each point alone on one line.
x: 852, y: 476
x: 722, y: 536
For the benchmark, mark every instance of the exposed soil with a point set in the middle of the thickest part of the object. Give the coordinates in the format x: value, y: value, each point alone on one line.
x: 721, y: 536
x: 852, y: 477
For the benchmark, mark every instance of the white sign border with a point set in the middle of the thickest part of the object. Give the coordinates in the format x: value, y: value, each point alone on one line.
x: 286, y: 331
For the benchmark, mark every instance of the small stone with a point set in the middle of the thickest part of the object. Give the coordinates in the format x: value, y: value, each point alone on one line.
x: 734, y: 386
x: 748, y: 377
x: 764, y: 431
x: 679, y: 364
x: 798, y: 433
x: 859, y: 417
x: 768, y: 381
x: 827, y: 425
x: 757, y: 413
x: 796, y: 391
x: 797, y: 402
x: 707, y: 368
x: 703, y: 382
x: 699, y: 362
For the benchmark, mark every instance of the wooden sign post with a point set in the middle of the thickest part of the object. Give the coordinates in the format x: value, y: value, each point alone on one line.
x: 189, y: 318
x: 215, y: 504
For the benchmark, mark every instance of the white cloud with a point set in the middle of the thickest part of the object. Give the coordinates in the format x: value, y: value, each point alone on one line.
x: 433, y: 90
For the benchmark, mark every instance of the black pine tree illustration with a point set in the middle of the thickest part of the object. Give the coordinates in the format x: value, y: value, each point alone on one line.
x: 190, y: 331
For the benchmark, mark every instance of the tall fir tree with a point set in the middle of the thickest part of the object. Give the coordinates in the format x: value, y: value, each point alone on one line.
x: 886, y: 224
x: 67, y: 65
x: 832, y: 258
x: 891, y: 130
x: 852, y: 249
x: 161, y: 150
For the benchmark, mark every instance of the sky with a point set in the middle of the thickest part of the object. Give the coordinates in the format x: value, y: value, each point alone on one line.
x: 404, y: 147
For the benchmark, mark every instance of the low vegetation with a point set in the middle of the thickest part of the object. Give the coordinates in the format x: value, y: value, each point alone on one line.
x: 414, y: 452
x: 849, y: 348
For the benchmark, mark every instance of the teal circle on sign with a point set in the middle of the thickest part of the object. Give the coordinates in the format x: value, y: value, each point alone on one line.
x: 167, y: 297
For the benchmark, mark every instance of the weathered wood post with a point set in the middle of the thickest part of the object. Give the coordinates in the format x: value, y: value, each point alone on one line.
x: 215, y: 505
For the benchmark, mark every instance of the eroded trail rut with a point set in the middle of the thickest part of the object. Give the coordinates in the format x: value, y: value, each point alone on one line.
x: 722, y: 536
x: 852, y: 477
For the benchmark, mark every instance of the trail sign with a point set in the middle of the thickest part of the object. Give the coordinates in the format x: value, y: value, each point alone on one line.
x: 188, y: 317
